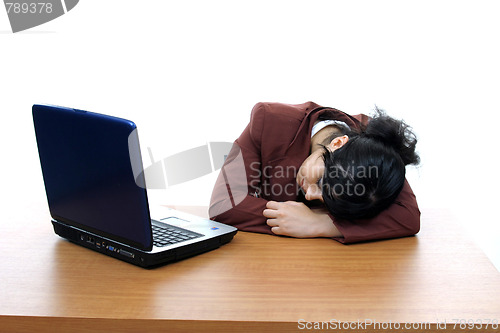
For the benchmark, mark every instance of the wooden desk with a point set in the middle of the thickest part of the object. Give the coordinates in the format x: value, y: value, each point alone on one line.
x: 256, y: 283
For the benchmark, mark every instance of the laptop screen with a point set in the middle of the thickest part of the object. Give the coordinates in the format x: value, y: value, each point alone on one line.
x: 88, y: 174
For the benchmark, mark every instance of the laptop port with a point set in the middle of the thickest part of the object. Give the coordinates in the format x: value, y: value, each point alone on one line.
x: 126, y: 253
x: 90, y: 240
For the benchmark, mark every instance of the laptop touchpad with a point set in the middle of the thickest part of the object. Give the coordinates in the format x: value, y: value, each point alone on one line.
x: 174, y: 221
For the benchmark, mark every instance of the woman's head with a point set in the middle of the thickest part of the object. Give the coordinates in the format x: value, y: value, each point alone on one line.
x: 365, y: 174
x: 357, y: 175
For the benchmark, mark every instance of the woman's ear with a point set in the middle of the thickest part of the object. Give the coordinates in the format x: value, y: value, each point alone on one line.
x: 338, y: 142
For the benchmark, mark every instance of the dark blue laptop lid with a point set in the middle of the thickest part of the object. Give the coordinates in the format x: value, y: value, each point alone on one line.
x: 88, y: 174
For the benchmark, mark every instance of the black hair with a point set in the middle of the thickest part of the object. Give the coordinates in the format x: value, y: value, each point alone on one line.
x: 366, y: 174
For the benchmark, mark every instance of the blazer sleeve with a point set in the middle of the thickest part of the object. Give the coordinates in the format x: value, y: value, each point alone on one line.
x: 400, y: 219
x: 235, y: 198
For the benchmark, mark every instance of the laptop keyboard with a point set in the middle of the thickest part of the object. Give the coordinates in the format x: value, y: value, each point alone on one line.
x: 164, y: 235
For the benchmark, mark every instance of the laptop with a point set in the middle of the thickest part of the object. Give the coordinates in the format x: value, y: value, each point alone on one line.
x: 98, y: 200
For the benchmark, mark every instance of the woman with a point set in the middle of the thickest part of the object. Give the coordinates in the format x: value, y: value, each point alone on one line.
x: 310, y: 171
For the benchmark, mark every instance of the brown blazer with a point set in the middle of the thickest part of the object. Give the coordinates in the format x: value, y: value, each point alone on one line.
x: 271, y: 150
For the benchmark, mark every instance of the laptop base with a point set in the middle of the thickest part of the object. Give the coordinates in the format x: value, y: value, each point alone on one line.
x: 132, y: 255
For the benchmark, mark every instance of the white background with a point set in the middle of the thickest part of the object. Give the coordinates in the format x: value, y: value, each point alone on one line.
x: 188, y: 72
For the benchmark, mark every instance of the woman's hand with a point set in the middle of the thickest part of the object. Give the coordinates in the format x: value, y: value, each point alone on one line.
x: 295, y: 219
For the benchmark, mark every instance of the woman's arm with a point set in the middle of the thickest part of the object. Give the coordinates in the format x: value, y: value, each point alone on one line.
x: 233, y: 199
x: 295, y: 219
x: 401, y: 219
